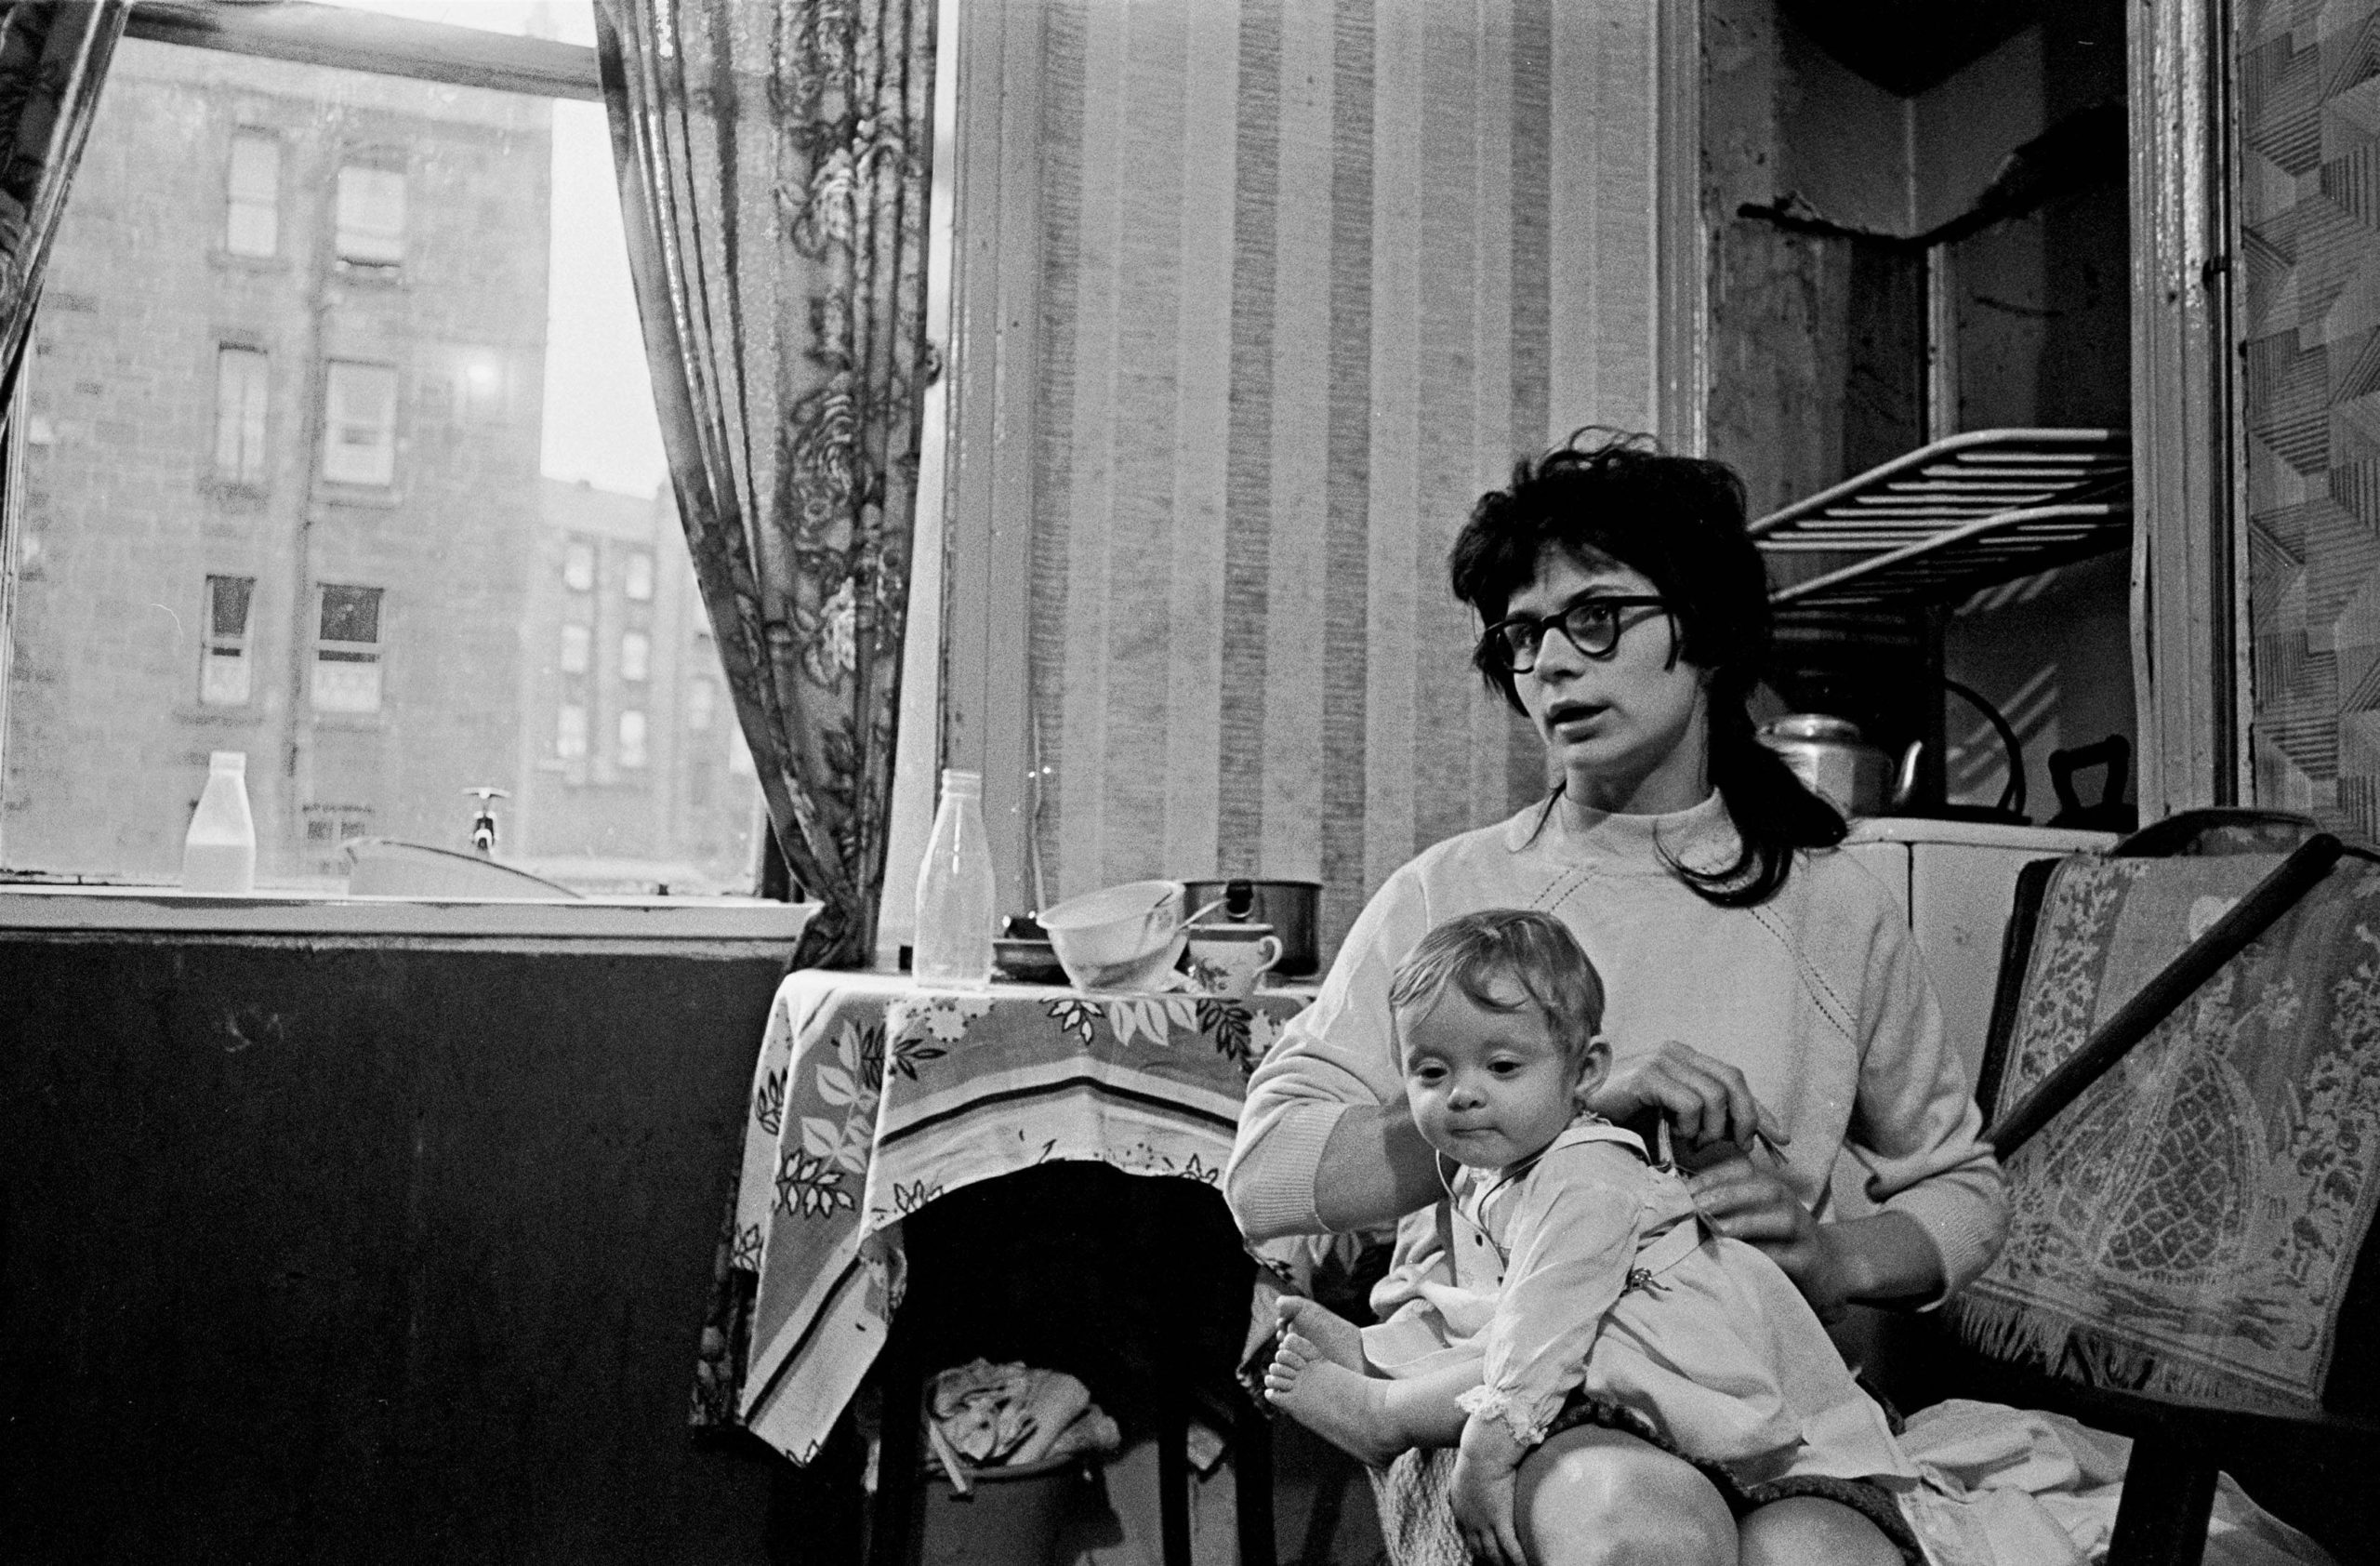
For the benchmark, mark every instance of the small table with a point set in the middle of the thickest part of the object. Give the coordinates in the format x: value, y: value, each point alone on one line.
x: 874, y: 1096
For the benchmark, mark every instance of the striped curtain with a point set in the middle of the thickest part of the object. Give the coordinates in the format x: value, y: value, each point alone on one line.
x: 1313, y: 275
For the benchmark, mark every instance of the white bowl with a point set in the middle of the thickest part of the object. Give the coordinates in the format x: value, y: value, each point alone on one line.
x: 1105, y: 935
x: 1146, y: 975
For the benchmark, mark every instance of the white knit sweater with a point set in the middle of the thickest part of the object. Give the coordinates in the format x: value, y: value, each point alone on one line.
x: 1817, y: 996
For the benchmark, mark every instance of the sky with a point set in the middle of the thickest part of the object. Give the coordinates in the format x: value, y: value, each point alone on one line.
x: 599, y: 424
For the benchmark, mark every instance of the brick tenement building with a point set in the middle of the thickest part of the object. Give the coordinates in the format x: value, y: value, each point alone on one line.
x: 283, y: 498
x: 634, y: 773
x: 282, y: 484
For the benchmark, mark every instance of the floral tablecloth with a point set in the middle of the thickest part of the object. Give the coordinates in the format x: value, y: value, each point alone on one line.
x: 873, y: 1096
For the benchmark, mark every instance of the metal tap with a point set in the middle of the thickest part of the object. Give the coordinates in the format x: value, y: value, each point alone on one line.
x: 483, y: 823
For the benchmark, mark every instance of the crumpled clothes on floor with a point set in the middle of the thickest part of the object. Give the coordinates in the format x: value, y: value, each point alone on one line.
x: 980, y: 1416
x: 2018, y: 1487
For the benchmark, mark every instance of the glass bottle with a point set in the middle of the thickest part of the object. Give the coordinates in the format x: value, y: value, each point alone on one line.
x: 219, y: 852
x: 955, y: 896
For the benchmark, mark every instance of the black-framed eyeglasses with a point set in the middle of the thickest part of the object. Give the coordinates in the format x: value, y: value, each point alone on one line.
x: 1594, y: 624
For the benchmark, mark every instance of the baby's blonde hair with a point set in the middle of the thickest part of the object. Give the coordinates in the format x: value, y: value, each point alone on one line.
x: 1536, y: 950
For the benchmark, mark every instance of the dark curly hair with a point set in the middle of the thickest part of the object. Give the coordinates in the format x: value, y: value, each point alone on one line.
x: 1679, y: 521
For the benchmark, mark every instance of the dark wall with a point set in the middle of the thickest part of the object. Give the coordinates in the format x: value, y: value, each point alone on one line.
x: 366, y: 1255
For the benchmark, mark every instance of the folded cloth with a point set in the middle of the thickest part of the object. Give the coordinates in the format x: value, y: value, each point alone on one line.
x: 2017, y: 1486
x: 1008, y: 1415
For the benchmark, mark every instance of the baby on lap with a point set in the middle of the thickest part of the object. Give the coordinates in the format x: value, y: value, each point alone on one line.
x: 1572, y: 1282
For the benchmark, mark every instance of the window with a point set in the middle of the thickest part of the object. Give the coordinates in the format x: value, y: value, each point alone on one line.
x: 360, y: 424
x: 631, y: 738
x: 252, y: 218
x: 347, y: 652
x: 431, y: 370
x: 575, y: 643
x: 371, y: 215
x: 569, y: 731
x: 240, y: 386
x: 639, y: 583
x: 702, y: 700
x: 636, y: 656
x: 224, y: 678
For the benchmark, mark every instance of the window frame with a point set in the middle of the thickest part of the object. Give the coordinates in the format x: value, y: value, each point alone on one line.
x: 234, y: 202
x: 214, y: 643
x: 372, y: 43
x: 373, y: 653
x: 383, y: 164
x: 332, y: 425
x: 252, y: 433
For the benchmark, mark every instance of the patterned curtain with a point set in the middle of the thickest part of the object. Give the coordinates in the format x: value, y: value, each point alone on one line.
x: 53, y: 58
x: 772, y: 159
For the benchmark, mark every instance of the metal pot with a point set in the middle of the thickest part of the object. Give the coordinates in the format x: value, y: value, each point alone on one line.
x: 1291, y: 907
x: 1829, y: 754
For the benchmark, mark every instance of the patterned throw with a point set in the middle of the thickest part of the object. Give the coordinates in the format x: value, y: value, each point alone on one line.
x: 873, y: 1097
x: 2189, y: 1225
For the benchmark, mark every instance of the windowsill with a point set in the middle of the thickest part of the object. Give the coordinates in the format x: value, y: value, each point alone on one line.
x: 84, y: 911
x: 357, y: 497
x: 356, y: 723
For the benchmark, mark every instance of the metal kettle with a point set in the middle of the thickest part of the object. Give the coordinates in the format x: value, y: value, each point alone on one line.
x: 1832, y: 756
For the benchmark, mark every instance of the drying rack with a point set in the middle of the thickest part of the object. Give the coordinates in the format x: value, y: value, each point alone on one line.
x: 1967, y: 512
x: 1889, y: 553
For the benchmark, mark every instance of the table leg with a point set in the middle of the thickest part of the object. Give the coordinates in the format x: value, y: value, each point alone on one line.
x: 1251, y: 1460
x: 1173, y: 1479
x: 900, y: 1471
x: 2168, y: 1493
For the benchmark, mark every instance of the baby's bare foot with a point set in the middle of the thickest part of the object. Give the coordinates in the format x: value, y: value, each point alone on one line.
x: 1344, y: 1407
x: 1339, y: 1340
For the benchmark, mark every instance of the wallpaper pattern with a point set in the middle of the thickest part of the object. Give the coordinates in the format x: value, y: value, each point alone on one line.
x: 2310, y: 212
x: 1307, y: 265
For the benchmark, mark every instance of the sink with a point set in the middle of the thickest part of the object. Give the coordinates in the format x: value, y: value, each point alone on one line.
x: 380, y: 867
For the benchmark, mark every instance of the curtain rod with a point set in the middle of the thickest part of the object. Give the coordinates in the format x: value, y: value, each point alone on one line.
x: 314, y: 35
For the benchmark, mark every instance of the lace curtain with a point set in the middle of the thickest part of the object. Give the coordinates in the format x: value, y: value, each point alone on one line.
x: 773, y: 159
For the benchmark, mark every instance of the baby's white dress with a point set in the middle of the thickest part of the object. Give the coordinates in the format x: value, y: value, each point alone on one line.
x: 1587, y: 1268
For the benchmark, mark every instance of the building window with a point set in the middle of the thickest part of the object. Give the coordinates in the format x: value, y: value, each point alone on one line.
x: 224, y: 678
x: 636, y: 656
x: 239, y: 385
x: 360, y: 424
x: 371, y: 215
x: 569, y: 731
x: 347, y: 651
x: 639, y: 583
x: 631, y: 738
x: 702, y: 700
x: 578, y: 566
x: 575, y: 643
x: 252, y: 220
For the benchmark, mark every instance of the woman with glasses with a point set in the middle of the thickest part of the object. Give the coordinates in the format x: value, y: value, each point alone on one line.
x: 1764, y: 998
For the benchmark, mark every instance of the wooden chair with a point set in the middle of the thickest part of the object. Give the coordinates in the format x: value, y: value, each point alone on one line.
x: 1137, y: 1285
x: 2309, y: 1468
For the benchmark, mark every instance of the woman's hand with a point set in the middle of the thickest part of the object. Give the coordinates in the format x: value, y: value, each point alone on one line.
x: 1484, y: 1468
x: 1744, y: 1202
x: 1706, y: 1101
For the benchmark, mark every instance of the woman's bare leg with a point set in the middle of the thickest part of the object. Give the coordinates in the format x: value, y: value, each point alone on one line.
x: 1596, y: 1497
x: 1813, y: 1531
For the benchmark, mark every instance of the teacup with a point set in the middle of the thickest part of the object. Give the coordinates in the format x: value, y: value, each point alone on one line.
x: 1225, y: 960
